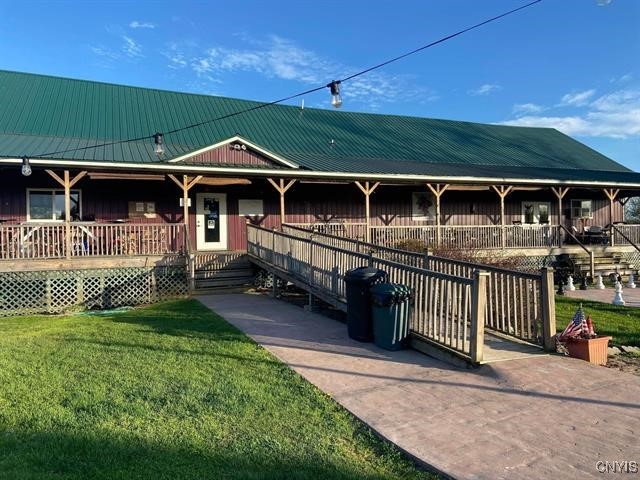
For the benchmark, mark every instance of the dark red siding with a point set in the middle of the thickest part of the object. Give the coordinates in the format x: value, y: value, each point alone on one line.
x: 227, y: 155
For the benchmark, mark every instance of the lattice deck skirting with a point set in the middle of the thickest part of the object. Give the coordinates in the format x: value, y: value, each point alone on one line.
x: 56, y: 291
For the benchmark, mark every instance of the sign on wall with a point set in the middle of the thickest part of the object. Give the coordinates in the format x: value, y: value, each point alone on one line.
x: 250, y: 208
x: 423, y: 206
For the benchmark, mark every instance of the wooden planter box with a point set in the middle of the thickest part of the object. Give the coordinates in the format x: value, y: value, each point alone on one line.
x: 593, y: 350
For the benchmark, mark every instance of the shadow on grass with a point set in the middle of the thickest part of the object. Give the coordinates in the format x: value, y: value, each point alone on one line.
x: 183, y: 318
x: 64, y: 455
x: 119, y: 345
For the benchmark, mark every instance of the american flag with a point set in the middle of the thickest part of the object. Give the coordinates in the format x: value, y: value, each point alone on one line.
x: 576, y: 326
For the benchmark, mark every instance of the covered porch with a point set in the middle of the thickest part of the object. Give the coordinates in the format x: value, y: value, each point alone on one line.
x: 69, y: 214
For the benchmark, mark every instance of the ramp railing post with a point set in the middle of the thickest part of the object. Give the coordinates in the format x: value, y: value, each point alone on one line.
x: 478, y: 308
x: 548, y: 310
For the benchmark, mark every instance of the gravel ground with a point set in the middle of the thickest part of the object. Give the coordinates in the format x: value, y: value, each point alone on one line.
x: 625, y: 362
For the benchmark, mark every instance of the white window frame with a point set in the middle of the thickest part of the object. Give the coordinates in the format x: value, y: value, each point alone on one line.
x: 536, y: 212
x: 580, y: 208
x: 53, y: 192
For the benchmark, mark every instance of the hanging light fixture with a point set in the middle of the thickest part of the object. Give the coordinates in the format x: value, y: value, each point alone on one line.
x: 26, y: 167
x: 157, y: 139
x: 336, y: 99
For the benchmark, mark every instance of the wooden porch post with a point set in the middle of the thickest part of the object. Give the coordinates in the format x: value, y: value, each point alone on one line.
x: 611, y: 195
x: 502, y: 192
x: 281, y: 189
x: 66, y: 182
x: 367, y: 190
x: 186, y: 184
x: 560, y: 192
x: 437, y: 190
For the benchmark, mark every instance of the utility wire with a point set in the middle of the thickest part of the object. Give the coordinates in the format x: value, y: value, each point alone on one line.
x: 291, y: 97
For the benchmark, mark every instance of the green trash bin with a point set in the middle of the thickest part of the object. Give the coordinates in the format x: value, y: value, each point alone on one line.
x: 391, y: 312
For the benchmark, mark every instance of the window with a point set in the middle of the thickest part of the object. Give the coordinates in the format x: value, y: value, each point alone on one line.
x: 581, y: 209
x: 48, y: 205
x: 536, y: 212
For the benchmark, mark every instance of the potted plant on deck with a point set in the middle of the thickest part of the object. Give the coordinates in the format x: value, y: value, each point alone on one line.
x: 580, y: 340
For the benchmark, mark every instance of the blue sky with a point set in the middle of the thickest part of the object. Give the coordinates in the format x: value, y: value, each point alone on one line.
x: 570, y: 64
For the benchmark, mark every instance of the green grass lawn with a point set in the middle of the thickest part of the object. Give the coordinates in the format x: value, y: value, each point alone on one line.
x: 621, y: 323
x: 168, y: 391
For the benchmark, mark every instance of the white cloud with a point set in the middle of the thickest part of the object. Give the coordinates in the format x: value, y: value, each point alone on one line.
x: 277, y: 57
x: 615, y: 115
x: 627, y: 77
x: 137, y: 24
x: 485, y: 89
x: 577, y: 99
x: 520, y: 108
x: 131, y: 48
x: 105, y: 52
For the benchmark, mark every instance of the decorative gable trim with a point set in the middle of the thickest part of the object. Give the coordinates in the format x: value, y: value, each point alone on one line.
x: 241, y: 141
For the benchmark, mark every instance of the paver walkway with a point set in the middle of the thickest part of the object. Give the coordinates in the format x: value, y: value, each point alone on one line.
x: 535, y: 418
x: 631, y: 296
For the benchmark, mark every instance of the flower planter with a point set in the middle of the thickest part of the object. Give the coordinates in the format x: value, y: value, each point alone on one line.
x: 593, y: 350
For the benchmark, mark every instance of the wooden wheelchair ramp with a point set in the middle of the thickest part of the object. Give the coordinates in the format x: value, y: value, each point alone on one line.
x: 454, y: 301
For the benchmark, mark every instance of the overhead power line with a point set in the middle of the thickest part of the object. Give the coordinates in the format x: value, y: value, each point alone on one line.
x: 333, y: 86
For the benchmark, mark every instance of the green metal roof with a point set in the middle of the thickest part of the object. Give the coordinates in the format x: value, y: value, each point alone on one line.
x: 42, y: 114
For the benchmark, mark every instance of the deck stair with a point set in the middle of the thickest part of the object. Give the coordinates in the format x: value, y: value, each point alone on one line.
x: 606, y: 262
x: 222, y: 270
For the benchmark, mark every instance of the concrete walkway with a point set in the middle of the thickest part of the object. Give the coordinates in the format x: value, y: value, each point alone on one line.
x: 541, y: 417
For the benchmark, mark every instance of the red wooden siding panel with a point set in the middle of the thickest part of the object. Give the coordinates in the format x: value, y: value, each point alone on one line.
x: 226, y: 155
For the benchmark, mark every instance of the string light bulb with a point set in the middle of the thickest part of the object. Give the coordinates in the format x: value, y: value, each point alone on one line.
x: 26, y: 167
x: 158, y: 140
x: 336, y: 99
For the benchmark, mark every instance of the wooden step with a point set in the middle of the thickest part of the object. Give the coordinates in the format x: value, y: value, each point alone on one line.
x: 222, y: 270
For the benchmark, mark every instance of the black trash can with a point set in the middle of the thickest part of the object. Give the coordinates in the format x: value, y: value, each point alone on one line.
x: 359, y: 281
x: 391, y: 314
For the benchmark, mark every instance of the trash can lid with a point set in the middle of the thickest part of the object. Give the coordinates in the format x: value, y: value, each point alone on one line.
x: 389, y: 288
x: 363, y: 273
x: 386, y: 292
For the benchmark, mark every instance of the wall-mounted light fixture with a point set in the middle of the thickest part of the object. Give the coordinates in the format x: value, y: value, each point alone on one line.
x: 26, y: 167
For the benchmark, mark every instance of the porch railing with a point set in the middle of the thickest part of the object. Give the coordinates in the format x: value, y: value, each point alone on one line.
x: 48, y: 241
x: 470, y: 237
x: 401, y: 256
x: 626, y: 234
x: 356, y: 231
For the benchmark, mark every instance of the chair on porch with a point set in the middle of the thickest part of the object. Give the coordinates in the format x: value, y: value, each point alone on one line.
x: 596, y: 234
